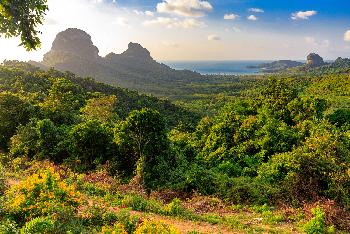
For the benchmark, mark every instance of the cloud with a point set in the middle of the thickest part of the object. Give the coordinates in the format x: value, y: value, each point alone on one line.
x: 252, y: 18
x: 121, y: 21
x: 231, y: 17
x: 256, y: 10
x: 146, y: 13
x: 347, y: 36
x: 186, y: 8
x: 149, y: 13
x: 303, y: 15
x: 214, y: 37
x: 175, y: 23
x: 312, y: 41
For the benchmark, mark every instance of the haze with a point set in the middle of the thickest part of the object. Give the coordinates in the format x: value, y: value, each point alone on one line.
x: 201, y: 30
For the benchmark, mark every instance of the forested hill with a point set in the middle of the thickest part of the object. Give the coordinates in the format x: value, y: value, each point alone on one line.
x: 62, y: 95
x: 74, y: 51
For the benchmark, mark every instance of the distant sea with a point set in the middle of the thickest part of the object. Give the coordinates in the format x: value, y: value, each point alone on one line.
x: 217, y: 67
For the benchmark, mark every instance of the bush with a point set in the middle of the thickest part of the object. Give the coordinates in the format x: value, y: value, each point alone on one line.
x: 41, y: 194
x: 39, y: 225
x: 340, y: 117
x: 317, y: 224
x: 116, y: 229
x: 2, y: 179
x: 174, y: 208
x: 136, y: 202
x: 128, y: 221
x: 154, y: 227
x: 245, y: 190
x: 8, y: 227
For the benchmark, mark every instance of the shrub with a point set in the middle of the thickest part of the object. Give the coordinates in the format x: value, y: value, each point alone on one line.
x: 127, y: 220
x: 136, y: 202
x: 41, y: 194
x: 116, y: 229
x: 174, y: 208
x: 8, y: 227
x: 40, y: 225
x: 340, y: 117
x: 2, y: 179
x: 154, y: 227
x: 317, y: 224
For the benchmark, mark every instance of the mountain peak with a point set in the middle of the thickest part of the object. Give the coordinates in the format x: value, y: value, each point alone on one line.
x: 137, y: 51
x: 75, y: 41
x: 314, y: 60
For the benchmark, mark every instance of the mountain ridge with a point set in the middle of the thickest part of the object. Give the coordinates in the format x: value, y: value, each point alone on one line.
x: 73, y: 50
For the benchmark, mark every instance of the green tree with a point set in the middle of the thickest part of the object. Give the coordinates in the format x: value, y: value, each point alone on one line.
x: 40, y: 139
x: 340, y: 117
x: 142, y: 138
x: 276, y: 96
x: 13, y: 112
x: 91, y: 143
x: 21, y: 18
x: 63, y: 102
x: 319, y: 167
x: 101, y: 108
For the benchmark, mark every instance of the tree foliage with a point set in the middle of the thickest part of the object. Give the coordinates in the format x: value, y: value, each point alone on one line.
x: 21, y: 18
x: 143, y: 140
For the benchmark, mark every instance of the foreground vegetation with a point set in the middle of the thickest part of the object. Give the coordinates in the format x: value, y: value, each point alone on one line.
x: 83, y: 157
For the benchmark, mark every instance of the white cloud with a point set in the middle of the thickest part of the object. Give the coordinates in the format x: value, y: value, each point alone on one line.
x: 121, y: 21
x: 187, y: 8
x: 256, y: 10
x: 347, y: 36
x: 304, y: 15
x: 214, y: 37
x: 231, y: 17
x: 252, y: 18
x: 312, y: 41
x: 149, y: 13
x: 146, y: 13
x: 175, y: 23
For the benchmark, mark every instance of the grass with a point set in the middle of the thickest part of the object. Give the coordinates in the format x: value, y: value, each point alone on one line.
x: 108, y: 202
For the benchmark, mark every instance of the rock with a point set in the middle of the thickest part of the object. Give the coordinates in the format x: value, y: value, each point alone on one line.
x: 314, y: 60
x: 137, y: 51
x: 75, y: 41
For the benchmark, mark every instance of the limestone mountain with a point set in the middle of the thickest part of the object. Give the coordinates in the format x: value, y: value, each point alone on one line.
x: 74, y: 51
x: 314, y: 60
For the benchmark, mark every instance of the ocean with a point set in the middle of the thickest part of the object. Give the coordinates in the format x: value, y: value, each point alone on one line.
x: 217, y: 67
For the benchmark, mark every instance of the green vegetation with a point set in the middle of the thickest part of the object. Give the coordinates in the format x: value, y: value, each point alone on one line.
x: 21, y: 18
x: 80, y: 156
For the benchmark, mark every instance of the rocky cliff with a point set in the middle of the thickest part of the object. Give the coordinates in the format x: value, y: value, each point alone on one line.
x: 314, y: 60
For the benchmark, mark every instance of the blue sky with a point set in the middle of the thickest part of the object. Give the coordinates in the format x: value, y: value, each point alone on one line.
x: 202, y: 29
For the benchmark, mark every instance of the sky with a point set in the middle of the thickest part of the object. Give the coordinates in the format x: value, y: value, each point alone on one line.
x: 200, y: 30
